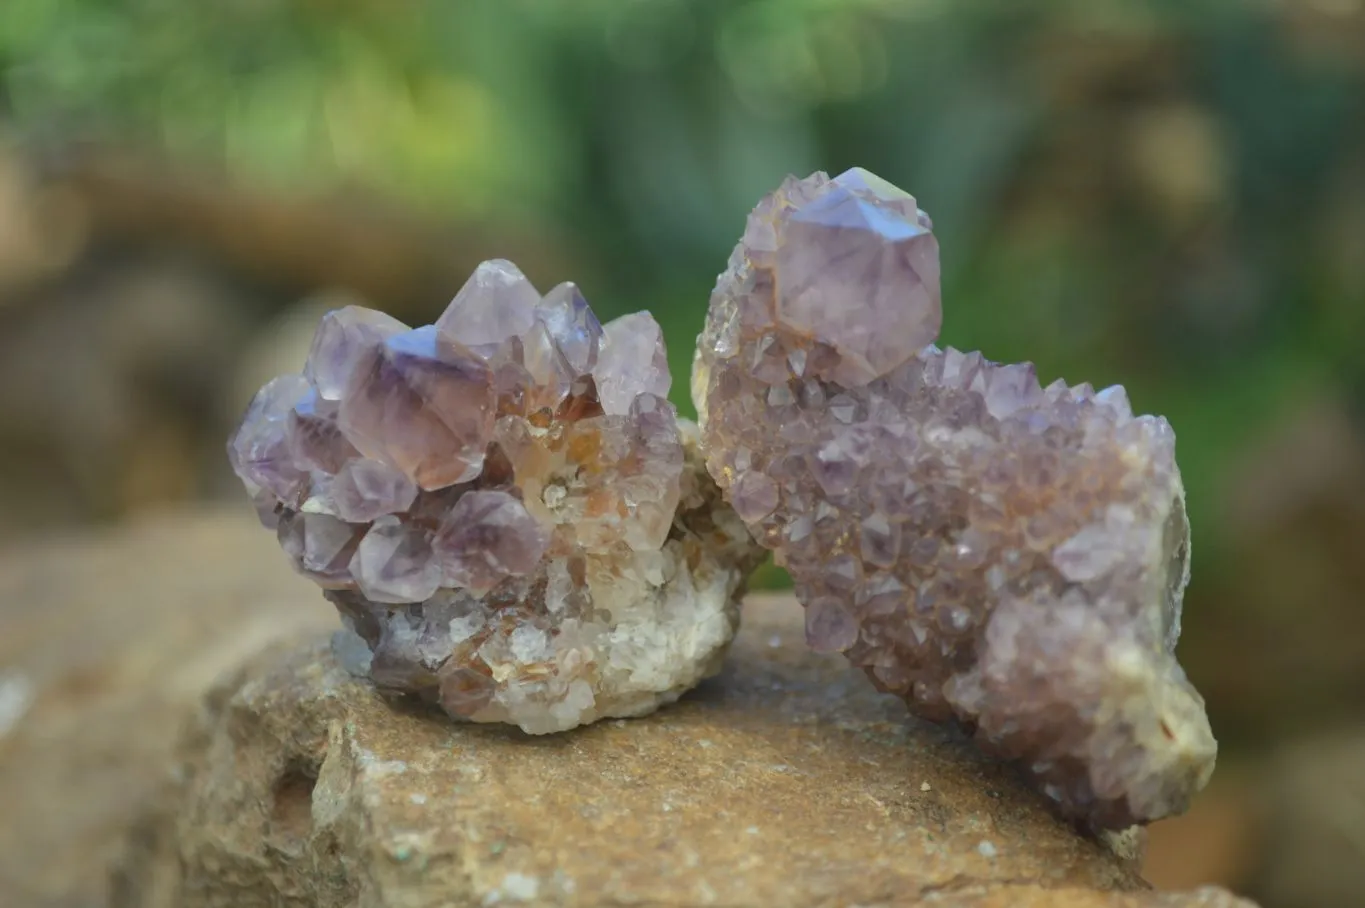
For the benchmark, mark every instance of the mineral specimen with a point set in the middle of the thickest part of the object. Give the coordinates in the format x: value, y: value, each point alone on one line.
x: 996, y: 553
x: 507, y: 513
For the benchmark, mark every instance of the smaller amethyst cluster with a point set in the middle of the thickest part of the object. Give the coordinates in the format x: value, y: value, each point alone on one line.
x: 500, y: 504
x: 363, y: 460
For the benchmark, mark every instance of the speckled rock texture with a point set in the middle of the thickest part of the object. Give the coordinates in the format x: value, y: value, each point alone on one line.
x: 787, y: 780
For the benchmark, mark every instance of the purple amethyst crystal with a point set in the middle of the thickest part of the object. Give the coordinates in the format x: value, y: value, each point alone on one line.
x: 631, y: 360
x: 496, y: 303
x: 423, y: 403
x: 342, y: 337
x: 995, y: 553
x: 259, y: 450
x: 507, y: 513
x: 489, y: 536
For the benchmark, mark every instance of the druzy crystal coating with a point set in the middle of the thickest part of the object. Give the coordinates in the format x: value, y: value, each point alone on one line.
x: 503, y: 506
x: 1007, y: 556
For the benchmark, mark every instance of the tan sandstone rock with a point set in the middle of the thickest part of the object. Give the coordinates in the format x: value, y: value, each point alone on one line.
x: 786, y: 781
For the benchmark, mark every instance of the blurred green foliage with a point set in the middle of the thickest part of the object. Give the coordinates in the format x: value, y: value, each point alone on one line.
x: 1168, y: 194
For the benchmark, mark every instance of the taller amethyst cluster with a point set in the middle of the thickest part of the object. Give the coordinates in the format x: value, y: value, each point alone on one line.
x: 1009, y: 556
x: 503, y: 505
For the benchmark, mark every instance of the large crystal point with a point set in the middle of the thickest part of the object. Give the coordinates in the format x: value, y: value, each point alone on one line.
x: 424, y: 403
x: 572, y: 325
x: 496, y: 540
x: 321, y: 546
x: 343, y: 337
x: 1008, y: 557
x: 496, y: 303
x: 632, y: 361
x: 857, y: 270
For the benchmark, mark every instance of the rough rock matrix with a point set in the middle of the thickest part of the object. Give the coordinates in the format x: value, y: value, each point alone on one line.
x: 502, y: 506
x: 1006, y: 555
x: 783, y: 784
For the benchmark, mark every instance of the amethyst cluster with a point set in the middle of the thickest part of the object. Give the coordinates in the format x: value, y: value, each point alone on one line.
x: 503, y: 505
x: 513, y: 522
x: 997, y: 553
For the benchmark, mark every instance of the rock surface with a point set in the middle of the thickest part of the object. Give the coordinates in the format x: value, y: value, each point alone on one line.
x: 106, y: 644
x: 785, y: 781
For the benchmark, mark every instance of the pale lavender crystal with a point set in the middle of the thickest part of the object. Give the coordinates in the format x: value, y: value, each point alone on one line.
x: 497, y: 302
x: 343, y: 337
x: 861, y: 274
x: 997, y: 554
x: 754, y: 495
x: 424, y: 403
x: 488, y: 537
x: 573, y: 325
x: 394, y: 562
x: 495, y: 541
x: 886, y: 196
x: 321, y: 546
x: 1012, y: 388
x: 365, y: 490
x: 315, y: 439
x: 831, y: 626
x: 549, y: 371
x: 259, y: 450
x: 632, y: 361
x: 1116, y: 399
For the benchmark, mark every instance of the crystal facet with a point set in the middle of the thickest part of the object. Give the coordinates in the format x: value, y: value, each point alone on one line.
x: 259, y: 450
x: 364, y: 490
x: 995, y: 553
x: 315, y: 439
x: 487, y: 538
x: 497, y: 302
x: 495, y: 540
x: 423, y: 403
x: 573, y: 326
x: 343, y: 336
x: 632, y: 361
x: 859, y: 273
x: 321, y: 546
x: 393, y: 562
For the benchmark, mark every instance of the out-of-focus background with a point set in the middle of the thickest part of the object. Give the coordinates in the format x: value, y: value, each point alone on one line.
x: 1166, y: 194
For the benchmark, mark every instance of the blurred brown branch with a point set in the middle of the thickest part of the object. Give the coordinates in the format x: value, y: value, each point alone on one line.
x: 354, y: 241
